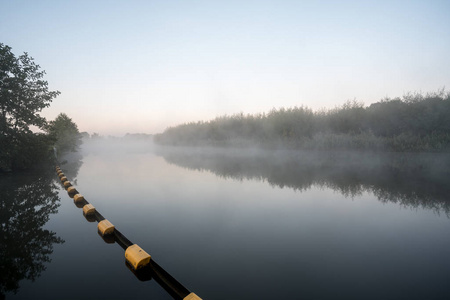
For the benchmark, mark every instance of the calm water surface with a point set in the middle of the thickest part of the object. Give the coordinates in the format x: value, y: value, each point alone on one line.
x: 233, y: 226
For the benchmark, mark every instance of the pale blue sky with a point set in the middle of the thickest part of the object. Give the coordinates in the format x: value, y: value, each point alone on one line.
x: 140, y: 66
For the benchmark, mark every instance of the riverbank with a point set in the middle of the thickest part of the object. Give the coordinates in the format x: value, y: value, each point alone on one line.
x: 415, y: 122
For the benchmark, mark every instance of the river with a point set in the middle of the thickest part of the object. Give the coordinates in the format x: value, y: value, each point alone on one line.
x: 233, y: 224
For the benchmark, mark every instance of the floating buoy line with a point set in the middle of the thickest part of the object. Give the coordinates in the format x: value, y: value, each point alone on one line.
x: 137, y: 259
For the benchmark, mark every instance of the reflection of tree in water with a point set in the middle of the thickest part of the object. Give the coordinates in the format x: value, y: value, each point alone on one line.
x: 26, y: 202
x: 413, y: 180
x: 70, y: 163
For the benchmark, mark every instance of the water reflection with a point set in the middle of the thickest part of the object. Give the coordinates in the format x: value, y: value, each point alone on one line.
x: 412, y: 180
x: 26, y: 201
x: 71, y: 164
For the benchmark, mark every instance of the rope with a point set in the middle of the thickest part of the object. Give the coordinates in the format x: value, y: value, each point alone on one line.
x: 149, y: 268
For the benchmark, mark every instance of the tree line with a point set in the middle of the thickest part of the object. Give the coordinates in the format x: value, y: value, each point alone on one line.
x: 414, y: 122
x: 23, y: 95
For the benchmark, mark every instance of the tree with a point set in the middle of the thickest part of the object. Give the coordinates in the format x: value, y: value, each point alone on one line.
x: 66, y: 133
x: 23, y: 94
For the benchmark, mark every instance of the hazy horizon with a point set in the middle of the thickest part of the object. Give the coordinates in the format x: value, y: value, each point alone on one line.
x: 143, y: 66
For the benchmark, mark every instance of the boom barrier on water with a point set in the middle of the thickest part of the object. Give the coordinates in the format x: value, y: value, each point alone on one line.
x: 137, y: 259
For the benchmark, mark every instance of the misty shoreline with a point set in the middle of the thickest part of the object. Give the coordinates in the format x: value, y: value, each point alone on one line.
x: 413, y: 123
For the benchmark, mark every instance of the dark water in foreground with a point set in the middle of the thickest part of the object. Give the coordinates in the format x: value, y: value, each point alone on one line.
x: 233, y: 225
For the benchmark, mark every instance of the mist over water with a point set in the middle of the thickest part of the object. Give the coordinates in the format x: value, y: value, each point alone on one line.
x: 255, y: 224
x: 409, y: 179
